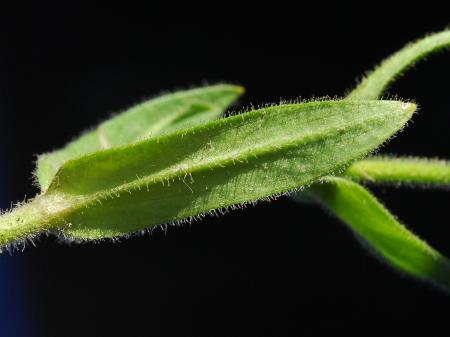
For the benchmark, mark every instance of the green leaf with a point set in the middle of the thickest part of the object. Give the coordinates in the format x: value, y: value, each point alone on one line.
x: 379, y: 229
x: 167, y: 113
x: 230, y: 161
x: 429, y: 172
x: 379, y: 80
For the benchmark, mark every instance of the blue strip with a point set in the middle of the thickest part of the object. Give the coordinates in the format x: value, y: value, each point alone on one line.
x: 15, y: 308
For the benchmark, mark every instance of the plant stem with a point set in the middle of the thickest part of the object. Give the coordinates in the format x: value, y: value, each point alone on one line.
x: 40, y: 214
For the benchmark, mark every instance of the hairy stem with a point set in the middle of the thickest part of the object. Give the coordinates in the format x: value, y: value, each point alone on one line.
x: 40, y: 214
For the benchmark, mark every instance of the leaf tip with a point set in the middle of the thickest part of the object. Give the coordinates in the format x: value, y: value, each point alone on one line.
x: 409, y: 108
x: 239, y: 89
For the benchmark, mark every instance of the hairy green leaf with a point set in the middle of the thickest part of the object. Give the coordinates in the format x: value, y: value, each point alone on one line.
x: 430, y: 172
x: 389, y: 239
x: 163, y: 114
x: 379, y: 80
x: 223, y: 163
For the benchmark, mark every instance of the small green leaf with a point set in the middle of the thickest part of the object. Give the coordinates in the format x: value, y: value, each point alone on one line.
x: 379, y: 80
x: 379, y: 229
x: 163, y: 114
x: 215, y: 165
x: 429, y: 172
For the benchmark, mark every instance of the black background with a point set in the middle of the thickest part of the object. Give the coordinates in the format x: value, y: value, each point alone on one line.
x: 275, y: 269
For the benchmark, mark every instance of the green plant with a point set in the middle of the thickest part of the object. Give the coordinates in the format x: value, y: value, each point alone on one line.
x: 168, y: 160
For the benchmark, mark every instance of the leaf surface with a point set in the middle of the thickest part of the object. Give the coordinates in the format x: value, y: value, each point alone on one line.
x: 223, y: 163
